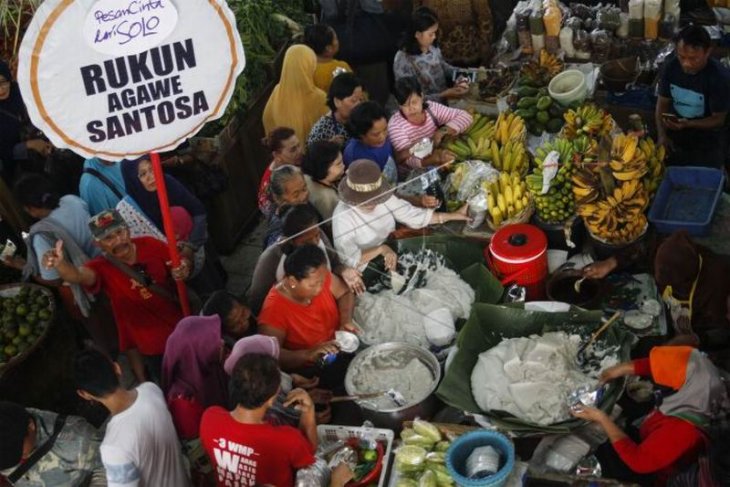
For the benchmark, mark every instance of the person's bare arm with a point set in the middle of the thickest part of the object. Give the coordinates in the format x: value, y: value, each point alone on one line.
x: 663, y: 105
x: 345, y: 302
x: 296, y: 359
x: 307, y: 421
x: 391, y: 258
x: 54, y: 259
x: 714, y: 121
x: 136, y: 363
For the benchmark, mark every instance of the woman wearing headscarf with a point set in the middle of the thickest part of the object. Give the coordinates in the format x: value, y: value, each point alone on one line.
x: 14, y: 123
x: 141, y: 210
x: 672, y: 436
x: 692, y: 281
x: 296, y: 102
x: 193, y: 379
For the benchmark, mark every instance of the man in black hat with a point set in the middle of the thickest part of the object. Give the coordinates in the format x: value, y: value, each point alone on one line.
x: 41, y: 448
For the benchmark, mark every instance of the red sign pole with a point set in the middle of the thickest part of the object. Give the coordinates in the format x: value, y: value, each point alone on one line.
x: 169, y: 230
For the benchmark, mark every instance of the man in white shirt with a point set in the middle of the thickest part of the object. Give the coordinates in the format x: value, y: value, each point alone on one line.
x: 140, y: 447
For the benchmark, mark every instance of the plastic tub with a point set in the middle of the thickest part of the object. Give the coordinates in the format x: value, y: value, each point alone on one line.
x: 687, y: 199
x: 462, y: 447
x: 568, y: 87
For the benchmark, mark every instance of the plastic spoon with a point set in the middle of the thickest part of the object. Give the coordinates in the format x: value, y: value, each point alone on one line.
x: 578, y: 283
x: 580, y: 355
x: 397, y: 281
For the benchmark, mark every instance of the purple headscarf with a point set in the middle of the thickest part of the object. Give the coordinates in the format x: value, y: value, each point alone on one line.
x: 262, y: 344
x: 192, y: 365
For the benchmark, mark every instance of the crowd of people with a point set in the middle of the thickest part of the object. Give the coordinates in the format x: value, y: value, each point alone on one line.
x: 232, y: 394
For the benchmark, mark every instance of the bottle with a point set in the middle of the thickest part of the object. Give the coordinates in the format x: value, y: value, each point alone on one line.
x: 432, y: 184
x: 566, y: 41
x: 552, y: 19
x: 523, y: 32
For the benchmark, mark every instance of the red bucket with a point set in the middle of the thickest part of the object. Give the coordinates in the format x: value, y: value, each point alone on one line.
x: 517, y: 254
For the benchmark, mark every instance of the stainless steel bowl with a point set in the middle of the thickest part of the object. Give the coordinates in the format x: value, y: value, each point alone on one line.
x: 392, y: 418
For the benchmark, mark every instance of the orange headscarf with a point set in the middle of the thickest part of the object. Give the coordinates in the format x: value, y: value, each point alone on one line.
x: 669, y: 365
x: 296, y: 102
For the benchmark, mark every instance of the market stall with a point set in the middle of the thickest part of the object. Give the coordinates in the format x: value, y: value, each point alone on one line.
x: 559, y: 168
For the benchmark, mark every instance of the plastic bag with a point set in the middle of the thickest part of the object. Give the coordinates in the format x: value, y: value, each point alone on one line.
x: 467, y: 178
x: 424, y: 428
x: 317, y: 474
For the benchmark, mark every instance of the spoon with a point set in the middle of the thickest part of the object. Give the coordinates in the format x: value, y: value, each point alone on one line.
x: 580, y: 355
x: 397, y: 281
x: 577, y: 284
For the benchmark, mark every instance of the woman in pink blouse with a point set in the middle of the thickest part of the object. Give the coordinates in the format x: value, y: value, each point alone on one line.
x: 417, y: 119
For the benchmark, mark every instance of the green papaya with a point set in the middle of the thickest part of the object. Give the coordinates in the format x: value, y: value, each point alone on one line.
x: 544, y: 102
x: 554, y: 125
x: 542, y: 116
x: 524, y: 91
x: 527, y: 102
x: 542, y: 91
x: 556, y: 111
x: 526, y: 113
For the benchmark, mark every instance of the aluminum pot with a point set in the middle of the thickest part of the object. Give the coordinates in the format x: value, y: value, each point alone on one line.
x: 392, y: 418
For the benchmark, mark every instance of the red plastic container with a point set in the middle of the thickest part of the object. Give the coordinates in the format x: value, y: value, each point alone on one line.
x: 517, y: 254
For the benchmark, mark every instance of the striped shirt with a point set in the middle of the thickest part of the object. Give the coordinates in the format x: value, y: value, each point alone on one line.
x: 404, y: 134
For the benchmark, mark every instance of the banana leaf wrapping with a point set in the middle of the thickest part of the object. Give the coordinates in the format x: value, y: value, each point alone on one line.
x: 488, y: 325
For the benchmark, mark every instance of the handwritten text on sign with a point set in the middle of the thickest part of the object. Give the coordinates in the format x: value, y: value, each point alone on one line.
x: 129, y: 26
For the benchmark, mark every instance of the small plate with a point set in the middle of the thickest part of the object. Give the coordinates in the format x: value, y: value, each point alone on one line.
x: 636, y: 320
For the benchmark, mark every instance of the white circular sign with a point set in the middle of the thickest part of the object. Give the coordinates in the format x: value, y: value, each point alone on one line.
x: 128, y: 26
x: 147, y: 95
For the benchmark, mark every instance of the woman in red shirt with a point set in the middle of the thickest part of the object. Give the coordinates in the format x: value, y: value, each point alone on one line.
x: 305, y: 308
x: 285, y: 148
x: 672, y: 436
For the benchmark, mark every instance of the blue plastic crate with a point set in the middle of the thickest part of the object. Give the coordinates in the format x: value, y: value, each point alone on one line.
x: 687, y: 199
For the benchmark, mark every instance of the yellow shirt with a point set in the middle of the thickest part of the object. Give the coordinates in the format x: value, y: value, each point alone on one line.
x: 323, y: 74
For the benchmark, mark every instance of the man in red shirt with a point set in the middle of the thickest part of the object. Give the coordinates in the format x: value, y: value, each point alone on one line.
x: 244, y: 449
x: 134, y: 274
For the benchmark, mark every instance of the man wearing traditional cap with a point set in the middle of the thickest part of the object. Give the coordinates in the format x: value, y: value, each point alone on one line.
x: 135, y: 275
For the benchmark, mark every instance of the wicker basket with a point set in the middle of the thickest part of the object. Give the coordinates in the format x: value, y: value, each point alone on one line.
x: 522, y: 217
x: 11, y: 290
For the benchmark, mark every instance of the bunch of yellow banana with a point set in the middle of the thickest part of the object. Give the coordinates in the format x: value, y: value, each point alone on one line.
x: 509, y: 127
x: 512, y: 156
x: 615, y: 213
x: 655, y: 155
x: 627, y: 161
x: 587, y: 119
x: 507, y: 198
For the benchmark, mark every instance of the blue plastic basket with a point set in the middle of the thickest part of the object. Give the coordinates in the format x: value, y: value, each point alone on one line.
x: 687, y: 199
x: 462, y: 447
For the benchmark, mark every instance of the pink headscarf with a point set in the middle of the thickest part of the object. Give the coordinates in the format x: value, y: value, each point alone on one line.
x: 191, y: 366
x: 254, y: 344
x: 181, y: 222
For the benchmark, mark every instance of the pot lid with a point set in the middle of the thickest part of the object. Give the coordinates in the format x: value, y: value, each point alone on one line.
x: 521, y: 242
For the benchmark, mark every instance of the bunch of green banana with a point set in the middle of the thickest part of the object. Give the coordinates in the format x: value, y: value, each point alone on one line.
x: 475, y: 142
x: 507, y: 198
x: 557, y: 204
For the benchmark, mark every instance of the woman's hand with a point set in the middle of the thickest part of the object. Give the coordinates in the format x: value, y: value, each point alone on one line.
x: 341, y: 475
x: 326, y: 347
x: 14, y: 262
x: 457, y: 91
x: 600, y: 269
x: 589, y: 414
x: 438, y: 137
x: 350, y: 327
x: 390, y: 257
x: 427, y: 201
x: 616, y: 372
x: 353, y: 279
x: 301, y: 382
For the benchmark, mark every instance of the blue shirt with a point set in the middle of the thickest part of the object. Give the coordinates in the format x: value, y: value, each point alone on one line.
x: 382, y: 155
x: 97, y: 195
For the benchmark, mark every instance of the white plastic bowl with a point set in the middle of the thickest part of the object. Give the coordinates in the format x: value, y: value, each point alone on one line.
x: 568, y: 87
